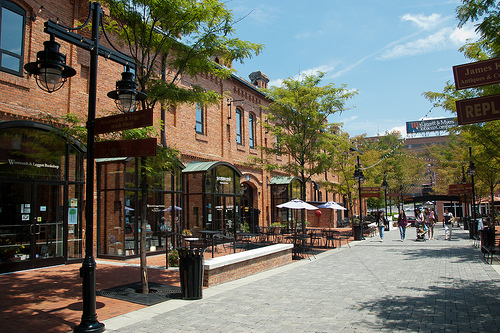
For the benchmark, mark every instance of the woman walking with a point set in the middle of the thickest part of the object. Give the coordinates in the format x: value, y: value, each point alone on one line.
x: 402, y: 223
x: 432, y: 223
x: 448, y: 224
x: 381, y: 225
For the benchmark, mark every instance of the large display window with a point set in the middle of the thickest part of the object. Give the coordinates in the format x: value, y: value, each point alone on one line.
x: 41, y: 196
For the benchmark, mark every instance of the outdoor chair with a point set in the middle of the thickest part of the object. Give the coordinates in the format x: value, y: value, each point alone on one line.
x: 331, y: 236
x: 316, y: 236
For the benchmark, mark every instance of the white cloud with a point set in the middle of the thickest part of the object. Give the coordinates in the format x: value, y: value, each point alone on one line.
x: 424, y: 22
x: 433, y: 42
x: 460, y: 36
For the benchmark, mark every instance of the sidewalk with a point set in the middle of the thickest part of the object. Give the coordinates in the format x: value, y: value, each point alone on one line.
x: 372, y: 286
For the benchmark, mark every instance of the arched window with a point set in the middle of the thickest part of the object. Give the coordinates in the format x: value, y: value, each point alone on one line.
x: 251, y: 130
x: 12, y: 21
x: 239, y: 126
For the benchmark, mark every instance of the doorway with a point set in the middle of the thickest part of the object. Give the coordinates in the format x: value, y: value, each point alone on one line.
x: 31, y: 225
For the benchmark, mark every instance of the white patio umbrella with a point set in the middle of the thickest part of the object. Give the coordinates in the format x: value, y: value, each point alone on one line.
x: 297, y: 204
x: 332, y: 205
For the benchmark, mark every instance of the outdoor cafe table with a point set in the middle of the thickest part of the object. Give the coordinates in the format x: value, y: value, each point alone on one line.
x: 299, y: 242
x: 209, y: 234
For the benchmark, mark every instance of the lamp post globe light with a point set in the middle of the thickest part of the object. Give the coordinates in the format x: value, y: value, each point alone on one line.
x: 359, y: 177
x: 471, y: 171
x: 51, y: 72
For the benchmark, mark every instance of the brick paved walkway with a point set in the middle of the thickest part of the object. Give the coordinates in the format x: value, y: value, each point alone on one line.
x: 373, y: 286
x: 445, y: 285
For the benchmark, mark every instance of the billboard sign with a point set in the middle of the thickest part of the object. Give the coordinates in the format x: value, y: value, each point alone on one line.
x: 432, y: 125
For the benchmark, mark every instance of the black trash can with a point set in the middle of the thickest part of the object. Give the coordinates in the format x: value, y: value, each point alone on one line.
x: 191, y: 272
x: 358, y: 232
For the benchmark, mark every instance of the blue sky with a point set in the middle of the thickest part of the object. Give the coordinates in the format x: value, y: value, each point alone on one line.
x: 390, y: 51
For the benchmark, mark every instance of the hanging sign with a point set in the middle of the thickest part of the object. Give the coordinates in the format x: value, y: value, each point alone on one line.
x: 478, y: 110
x: 370, y: 192
x: 477, y: 74
x: 457, y: 189
x: 125, y: 148
x: 124, y: 121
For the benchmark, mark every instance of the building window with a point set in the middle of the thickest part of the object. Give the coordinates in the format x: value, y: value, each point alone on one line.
x: 239, y: 120
x: 200, y: 115
x: 12, y: 21
x: 251, y: 130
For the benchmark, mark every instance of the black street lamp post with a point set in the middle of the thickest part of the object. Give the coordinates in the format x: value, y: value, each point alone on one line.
x: 359, y: 177
x: 385, y: 186
x: 471, y: 171
x: 51, y: 73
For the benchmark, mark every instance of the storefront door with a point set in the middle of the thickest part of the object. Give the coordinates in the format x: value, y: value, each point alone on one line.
x: 31, y: 225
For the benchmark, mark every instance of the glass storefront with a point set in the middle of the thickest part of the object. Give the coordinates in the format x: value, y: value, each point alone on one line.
x: 213, y: 197
x: 121, y: 208
x: 284, y: 189
x: 41, y: 191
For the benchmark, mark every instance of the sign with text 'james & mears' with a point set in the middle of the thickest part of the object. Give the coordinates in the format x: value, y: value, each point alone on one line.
x: 477, y: 74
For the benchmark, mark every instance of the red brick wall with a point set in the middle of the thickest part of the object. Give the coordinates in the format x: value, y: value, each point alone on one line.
x: 246, y: 268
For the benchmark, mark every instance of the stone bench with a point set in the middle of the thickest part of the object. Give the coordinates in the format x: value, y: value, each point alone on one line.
x: 238, y: 265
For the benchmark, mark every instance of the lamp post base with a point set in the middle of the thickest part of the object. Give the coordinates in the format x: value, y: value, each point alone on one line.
x: 90, y: 327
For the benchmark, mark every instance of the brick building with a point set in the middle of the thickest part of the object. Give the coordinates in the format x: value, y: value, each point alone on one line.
x: 42, y: 183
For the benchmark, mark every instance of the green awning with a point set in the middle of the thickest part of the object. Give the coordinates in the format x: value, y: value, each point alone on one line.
x: 207, y: 166
x: 282, y: 180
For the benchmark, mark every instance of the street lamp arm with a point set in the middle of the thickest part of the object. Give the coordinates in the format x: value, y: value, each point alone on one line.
x: 61, y: 32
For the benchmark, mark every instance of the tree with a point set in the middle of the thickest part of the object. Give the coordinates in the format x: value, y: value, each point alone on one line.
x: 172, y: 43
x: 297, y: 117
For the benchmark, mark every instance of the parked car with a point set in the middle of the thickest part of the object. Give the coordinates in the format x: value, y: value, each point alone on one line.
x: 411, y: 220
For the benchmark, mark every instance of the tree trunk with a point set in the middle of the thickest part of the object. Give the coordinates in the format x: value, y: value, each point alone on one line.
x: 144, y: 222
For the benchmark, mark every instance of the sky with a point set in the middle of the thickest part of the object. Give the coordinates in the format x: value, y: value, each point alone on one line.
x: 390, y: 51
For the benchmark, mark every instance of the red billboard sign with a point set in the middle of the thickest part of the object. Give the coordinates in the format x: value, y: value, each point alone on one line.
x: 124, y: 121
x: 477, y: 74
x: 125, y: 148
x: 478, y: 110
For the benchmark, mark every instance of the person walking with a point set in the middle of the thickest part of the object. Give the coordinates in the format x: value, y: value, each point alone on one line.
x: 432, y: 223
x: 402, y: 224
x: 448, y: 224
x: 381, y: 224
x: 426, y: 214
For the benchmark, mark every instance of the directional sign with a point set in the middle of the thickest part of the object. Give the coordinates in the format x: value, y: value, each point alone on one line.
x: 477, y: 74
x: 126, y: 148
x: 124, y: 121
x: 456, y: 189
x: 478, y: 110
x: 370, y: 192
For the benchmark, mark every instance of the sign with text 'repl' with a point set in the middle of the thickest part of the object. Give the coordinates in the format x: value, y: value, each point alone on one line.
x: 125, y: 148
x: 478, y: 110
x: 124, y: 121
x: 477, y: 74
x: 370, y: 192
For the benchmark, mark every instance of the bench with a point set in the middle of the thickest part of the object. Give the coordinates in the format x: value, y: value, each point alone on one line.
x: 489, y: 251
x: 238, y: 265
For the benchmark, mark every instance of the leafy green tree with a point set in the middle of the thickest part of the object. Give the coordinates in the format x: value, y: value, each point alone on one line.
x: 173, y: 42
x: 298, y: 118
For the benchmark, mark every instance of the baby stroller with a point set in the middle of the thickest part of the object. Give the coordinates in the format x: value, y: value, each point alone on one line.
x: 421, y: 231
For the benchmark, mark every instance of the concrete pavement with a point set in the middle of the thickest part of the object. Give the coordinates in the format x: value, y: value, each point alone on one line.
x: 371, y: 286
